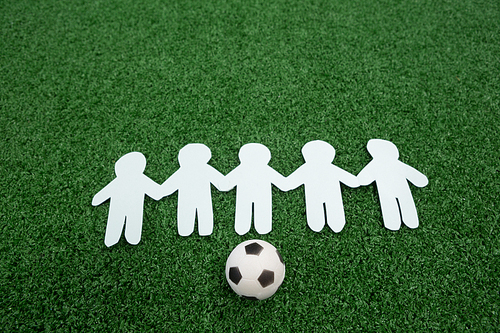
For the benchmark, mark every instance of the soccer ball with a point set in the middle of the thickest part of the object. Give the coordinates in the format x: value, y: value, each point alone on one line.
x: 255, y: 269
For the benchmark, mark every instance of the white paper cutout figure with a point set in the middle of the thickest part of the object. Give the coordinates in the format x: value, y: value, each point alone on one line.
x: 253, y: 179
x: 193, y: 180
x: 127, y: 192
x: 321, y: 180
x: 391, y: 177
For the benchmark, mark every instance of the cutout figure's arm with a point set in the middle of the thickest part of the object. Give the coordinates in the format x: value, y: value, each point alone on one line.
x: 278, y: 180
x: 365, y: 176
x: 229, y: 181
x: 104, y: 194
x: 216, y: 178
x: 171, y: 185
x: 152, y: 189
x: 347, y: 178
x: 414, y: 176
x: 296, y: 178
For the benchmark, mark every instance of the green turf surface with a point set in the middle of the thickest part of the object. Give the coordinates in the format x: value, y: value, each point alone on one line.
x: 84, y: 82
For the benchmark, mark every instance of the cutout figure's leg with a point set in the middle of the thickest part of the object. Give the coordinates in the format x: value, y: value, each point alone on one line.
x: 205, y: 220
x: 408, y: 211
x: 114, y: 227
x: 315, y: 214
x: 263, y: 216
x: 335, y: 214
x: 390, y: 212
x: 133, y: 227
x: 243, y: 218
x: 186, y: 215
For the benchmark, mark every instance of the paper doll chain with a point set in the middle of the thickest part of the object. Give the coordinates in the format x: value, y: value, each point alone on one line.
x: 253, y: 180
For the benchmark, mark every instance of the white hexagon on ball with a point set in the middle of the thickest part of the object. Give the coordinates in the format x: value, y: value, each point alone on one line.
x: 255, y: 269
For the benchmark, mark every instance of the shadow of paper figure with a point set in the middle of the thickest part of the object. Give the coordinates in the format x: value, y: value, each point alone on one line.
x: 193, y: 180
x: 321, y: 180
x: 253, y: 179
x: 127, y: 192
x: 391, y: 177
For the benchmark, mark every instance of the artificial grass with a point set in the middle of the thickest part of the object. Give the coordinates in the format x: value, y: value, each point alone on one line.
x: 83, y: 83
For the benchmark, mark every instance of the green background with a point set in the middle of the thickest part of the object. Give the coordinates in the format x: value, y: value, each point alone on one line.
x: 85, y: 82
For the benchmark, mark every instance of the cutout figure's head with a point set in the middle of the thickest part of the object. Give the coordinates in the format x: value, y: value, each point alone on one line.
x: 318, y: 152
x: 194, y: 154
x: 379, y: 148
x: 130, y: 164
x: 254, y: 153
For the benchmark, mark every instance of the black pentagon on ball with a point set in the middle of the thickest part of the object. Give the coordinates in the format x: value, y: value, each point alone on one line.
x: 266, y: 278
x: 235, y: 275
x: 254, y: 249
x: 279, y: 256
x: 253, y: 298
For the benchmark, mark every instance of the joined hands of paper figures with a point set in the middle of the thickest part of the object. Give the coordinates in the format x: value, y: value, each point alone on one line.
x: 253, y: 179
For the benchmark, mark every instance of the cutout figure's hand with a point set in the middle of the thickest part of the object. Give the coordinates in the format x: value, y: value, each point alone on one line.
x: 229, y: 181
x: 96, y: 201
x: 415, y: 177
x: 296, y: 178
x: 364, y: 177
x: 103, y: 194
x: 170, y: 185
x: 153, y: 190
x: 225, y: 185
x: 167, y: 189
x: 280, y: 182
x: 351, y: 181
